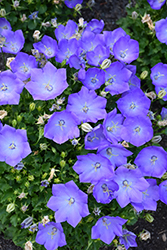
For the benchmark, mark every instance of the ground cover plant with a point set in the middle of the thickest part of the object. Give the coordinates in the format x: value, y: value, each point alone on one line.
x: 80, y: 156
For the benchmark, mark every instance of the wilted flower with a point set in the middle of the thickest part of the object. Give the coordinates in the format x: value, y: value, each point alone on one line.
x: 162, y: 123
x: 33, y: 228
x: 45, y: 220
x: 22, y: 195
x: 96, y: 211
x: 27, y: 222
x: 8, y: 61
x: 16, y: 4
x: 52, y: 172
x: 151, y: 95
x: 134, y: 15
x: 28, y: 246
x: 24, y: 208
x: 145, y: 235
x: 43, y: 146
x: 23, y: 18
x: 36, y: 34
x: 90, y: 189
x: 47, y: 24
x: 146, y: 18
x: 3, y: 113
x: 54, y: 22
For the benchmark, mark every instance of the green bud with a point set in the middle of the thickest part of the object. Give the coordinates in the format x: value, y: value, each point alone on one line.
x: 144, y: 74
x: 63, y: 154
x: 18, y: 178
x: 15, y: 192
x: 56, y: 180
x: 44, y: 175
x: 19, y: 118
x: 53, y: 150
x: 32, y: 106
x: 149, y: 218
x: 158, y: 117
x: 70, y: 161
x: 2, y: 12
x: 43, y: 146
x: 27, y: 184
x: 14, y: 123
x: 10, y: 207
x: 24, y: 172
x: 62, y: 163
x: 51, y: 217
x: 78, y: 7
x: 13, y: 170
x: 39, y: 108
x: 30, y: 177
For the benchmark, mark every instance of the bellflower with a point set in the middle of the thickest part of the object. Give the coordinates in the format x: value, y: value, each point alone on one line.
x: 161, y: 92
x: 47, y: 46
x: 156, y: 4
x: 163, y: 192
x: 134, y: 103
x: 34, y: 15
x: 131, y: 185
x: 91, y: 168
x: 137, y: 130
x: 117, y: 154
x: 47, y: 83
x: 4, y: 25
x: 69, y: 203
x: 14, y: 41
x: 128, y: 239
x: 89, y: 41
x: 10, y: 88
x: 71, y: 4
x: 104, y: 189
x: 152, y: 161
x: 116, y: 78
x: 27, y: 222
x: 93, y: 78
x: 134, y: 82
x: 107, y: 227
x: 126, y: 49
x: 22, y: 65
x: 14, y: 145
x: 95, y: 26
x: 164, y: 113
x: 51, y: 235
x: 150, y: 197
x: 95, y: 139
x: 98, y: 55
x: 87, y: 105
x: 160, y: 29
x: 65, y: 32
x: 159, y: 75
x: 61, y: 127
x: 112, y: 126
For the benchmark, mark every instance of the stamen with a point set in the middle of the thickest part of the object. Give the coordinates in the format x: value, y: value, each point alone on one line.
x: 153, y: 159
x: 158, y: 75
x: 24, y: 68
x: 71, y: 201
x: 137, y: 129
x: 12, y: 145
x: 132, y: 105
x: 53, y: 232
x: 123, y: 53
x: 85, y: 108
x: 3, y: 87
x: 94, y: 79
x: 105, y: 222
x: 96, y: 166
x: 61, y: 123
x: 110, y: 129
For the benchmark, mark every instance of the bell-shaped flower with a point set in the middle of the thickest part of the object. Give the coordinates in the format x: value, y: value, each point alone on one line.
x: 128, y: 239
x: 152, y: 161
x: 87, y: 106
x: 65, y: 32
x: 163, y: 192
x: 10, y: 88
x: 69, y: 203
x: 159, y: 75
x: 156, y: 4
x: 95, y: 26
x: 51, y: 235
x: 47, y: 46
x: 47, y: 83
x: 61, y: 127
x: 131, y: 185
x: 107, y: 227
x: 160, y: 30
x: 14, y: 145
x: 163, y: 113
x: 98, y: 55
x: 71, y: 4
x: 93, y: 167
x: 126, y: 49
x: 89, y: 41
x: 22, y: 65
x: 4, y: 25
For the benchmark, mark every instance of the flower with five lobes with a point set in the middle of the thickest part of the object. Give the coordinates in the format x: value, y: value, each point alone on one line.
x: 156, y: 4
x: 69, y: 203
x: 13, y: 144
x: 128, y: 239
x: 107, y: 227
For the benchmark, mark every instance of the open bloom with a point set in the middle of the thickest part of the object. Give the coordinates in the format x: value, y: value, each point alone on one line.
x: 107, y: 227
x: 163, y: 192
x: 4, y: 25
x: 14, y: 145
x: 156, y: 4
x: 128, y: 239
x: 51, y: 236
x: 159, y: 74
x: 69, y: 203
x: 160, y: 29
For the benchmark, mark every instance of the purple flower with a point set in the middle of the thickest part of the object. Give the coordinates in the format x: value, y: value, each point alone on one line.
x: 34, y: 15
x: 19, y: 166
x: 47, y: 83
x: 44, y: 183
x: 69, y: 203
x: 14, y: 145
x: 160, y: 29
x: 4, y: 25
x: 71, y: 4
x: 117, y: 154
x: 152, y: 161
x: 159, y: 74
x: 93, y: 167
x: 22, y: 65
x: 65, y: 32
x: 112, y: 126
x: 164, y: 113
x: 93, y: 78
x: 150, y: 197
x: 98, y: 55
x: 27, y: 222
x: 47, y: 46
x: 126, y: 49
x: 128, y: 239
x: 89, y: 41
x: 95, y: 26
x: 14, y: 41
x: 61, y: 127
x: 134, y: 103
x: 107, y: 227
x: 87, y: 105
x: 156, y: 4
x: 131, y: 185
x: 134, y: 82
x: 103, y: 190
x: 10, y: 88
x: 163, y: 192
x: 137, y: 130
x: 158, y: 89
x: 51, y: 235
x: 116, y: 78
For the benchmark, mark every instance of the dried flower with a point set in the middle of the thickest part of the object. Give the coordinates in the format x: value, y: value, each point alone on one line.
x: 47, y: 24
x: 54, y: 22
x: 24, y: 208
x: 134, y: 15
x: 146, y: 18
x: 90, y: 189
x: 23, y: 18
x: 36, y: 34
x: 145, y: 235
x: 40, y: 120
x: 16, y: 4
x: 151, y: 95
x: 3, y: 113
x: 97, y: 211
x: 27, y: 222
x: 162, y: 123
x: 8, y: 61
x: 45, y: 220
x: 46, y: 116
x: 125, y: 144
x: 28, y: 246
x: 21, y: 196
x: 52, y: 172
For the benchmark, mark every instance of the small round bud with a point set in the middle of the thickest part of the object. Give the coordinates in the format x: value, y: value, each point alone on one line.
x: 44, y: 175
x: 27, y: 184
x: 14, y: 123
x: 156, y: 139
x: 2, y: 12
x: 53, y: 150
x: 19, y: 118
x: 39, y: 108
x: 30, y: 177
x: 62, y: 163
x: 144, y: 74
x: 63, y: 154
x: 106, y: 64
x: 86, y: 127
x: 161, y: 93
x: 32, y: 106
x: 78, y: 7
x: 43, y: 146
x: 18, y: 178
x: 10, y: 207
x: 134, y: 15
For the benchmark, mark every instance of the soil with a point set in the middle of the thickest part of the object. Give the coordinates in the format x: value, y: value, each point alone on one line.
x: 110, y: 11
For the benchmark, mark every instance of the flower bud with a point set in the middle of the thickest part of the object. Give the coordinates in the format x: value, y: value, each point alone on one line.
x: 149, y: 218
x: 18, y: 178
x: 43, y: 146
x: 54, y: 22
x: 14, y: 123
x: 78, y: 7
x: 19, y: 118
x: 106, y: 64
x: 2, y: 12
x: 28, y: 246
x: 134, y: 15
x: 86, y: 127
x: 63, y: 154
x: 30, y: 177
x: 32, y: 106
x: 144, y: 74
x: 27, y: 222
x: 62, y: 163
x: 24, y: 208
x: 164, y: 176
x: 10, y: 207
x: 161, y: 93
x: 36, y: 35
x: 27, y: 184
x: 16, y: 4
x: 156, y: 139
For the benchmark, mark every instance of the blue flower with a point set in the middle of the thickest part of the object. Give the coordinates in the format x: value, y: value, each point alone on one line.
x: 34, y: 15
